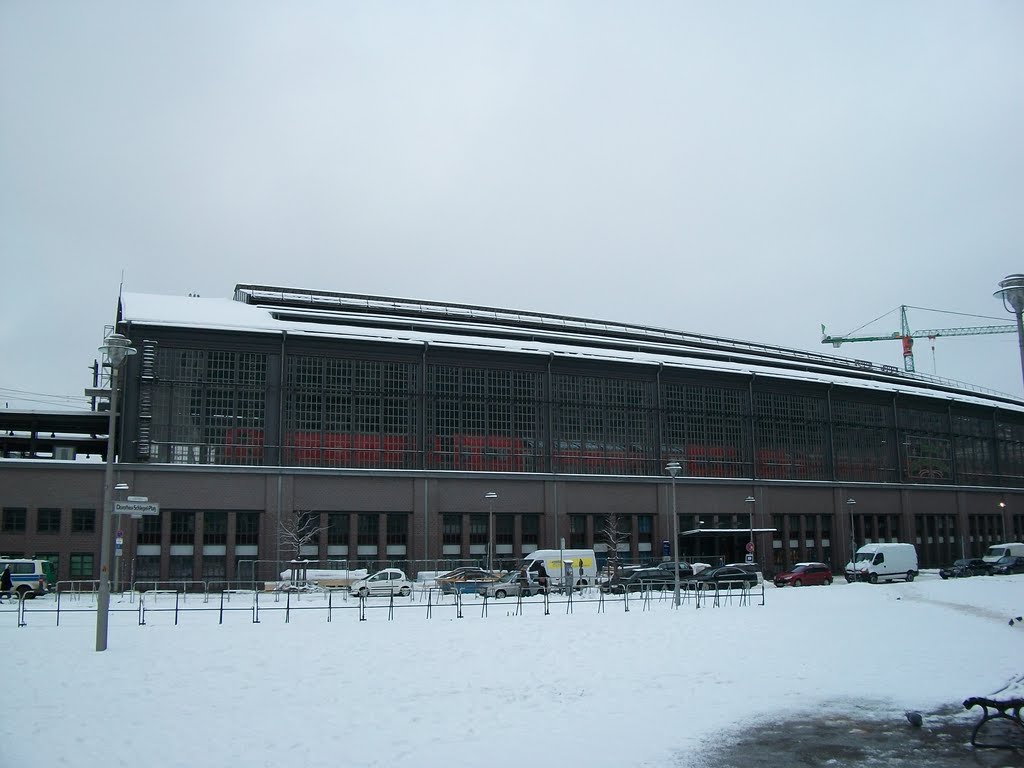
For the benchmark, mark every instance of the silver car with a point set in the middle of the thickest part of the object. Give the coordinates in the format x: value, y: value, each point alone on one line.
x: 510, y: 585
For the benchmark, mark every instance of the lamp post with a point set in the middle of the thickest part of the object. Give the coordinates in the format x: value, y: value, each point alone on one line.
x: 1002, y: 520
x: 1011, y: 291
x: 117, y: 550
x: 490, y: 496
x: 751, y: 501
x: 853, y: 545
x: 116, y: 349
x: 673, y: 470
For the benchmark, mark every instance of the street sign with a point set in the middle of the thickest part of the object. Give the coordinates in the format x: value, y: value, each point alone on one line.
x: 750, y: 558
x: 136, y: 508
x: 750, y: 546
x: 665, y: 550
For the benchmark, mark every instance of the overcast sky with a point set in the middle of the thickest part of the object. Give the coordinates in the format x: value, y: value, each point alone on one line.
x: 749, y: 170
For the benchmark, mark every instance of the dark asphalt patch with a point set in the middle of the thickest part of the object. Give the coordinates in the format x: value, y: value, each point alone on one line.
x: 862, y: 741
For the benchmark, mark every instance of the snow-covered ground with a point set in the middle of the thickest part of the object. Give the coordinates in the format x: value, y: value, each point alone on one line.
x: 647, y: 687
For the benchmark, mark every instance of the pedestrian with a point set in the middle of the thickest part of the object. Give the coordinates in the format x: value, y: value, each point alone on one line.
x: 6, y: 583
x: 524, y: 581
x: 542, y: 576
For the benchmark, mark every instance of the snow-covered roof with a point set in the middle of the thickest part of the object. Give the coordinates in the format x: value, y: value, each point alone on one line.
x: 263, y: 309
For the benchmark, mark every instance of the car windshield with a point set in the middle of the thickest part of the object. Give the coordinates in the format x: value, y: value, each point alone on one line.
x: 865, y: 556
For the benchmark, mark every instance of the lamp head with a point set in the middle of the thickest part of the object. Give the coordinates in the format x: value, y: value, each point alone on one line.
x: 1011, y: 291
x: 673, y: 468
x: 490, y: 495
x: 117, y: 348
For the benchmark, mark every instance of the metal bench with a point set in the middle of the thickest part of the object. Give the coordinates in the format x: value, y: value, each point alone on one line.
x: 992, y: 709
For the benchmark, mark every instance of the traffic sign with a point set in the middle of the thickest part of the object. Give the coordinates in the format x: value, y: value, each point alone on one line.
x: 750, y: 558
x: 750, y: 547
x: 136, y: 508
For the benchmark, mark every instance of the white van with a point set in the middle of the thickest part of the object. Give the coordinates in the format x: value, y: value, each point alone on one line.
x: 996, y: 551
x: 558, y: 562
x: 28, y: 576
x: 884, y: 562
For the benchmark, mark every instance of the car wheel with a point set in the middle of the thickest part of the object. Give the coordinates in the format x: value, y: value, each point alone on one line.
x: 500, y: 593
x: 944, y: 576
x: 873, y: 578
x: 828, y: 582
x: 910, y: 575
x: 405, y: 591
x: 797, y: 583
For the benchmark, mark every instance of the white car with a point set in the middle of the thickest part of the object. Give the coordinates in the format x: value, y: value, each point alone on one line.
x: 390, y: 581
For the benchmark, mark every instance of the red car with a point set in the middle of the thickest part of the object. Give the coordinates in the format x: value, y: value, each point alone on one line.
x: 805, y: 574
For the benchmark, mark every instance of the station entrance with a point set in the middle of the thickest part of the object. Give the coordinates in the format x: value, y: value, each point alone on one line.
x: 718, y: 546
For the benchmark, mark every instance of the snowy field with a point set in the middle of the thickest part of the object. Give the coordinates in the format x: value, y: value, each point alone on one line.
x: 649, y: 687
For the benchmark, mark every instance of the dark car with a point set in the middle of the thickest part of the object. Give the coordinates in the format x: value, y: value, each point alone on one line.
x: 661, y: 576
x: 1007, y: 565
x: 810, y: 574
x: 724, y: 577
x: 967, y: 566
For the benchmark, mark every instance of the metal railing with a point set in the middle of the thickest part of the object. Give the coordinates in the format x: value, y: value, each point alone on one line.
x: 174, y: 598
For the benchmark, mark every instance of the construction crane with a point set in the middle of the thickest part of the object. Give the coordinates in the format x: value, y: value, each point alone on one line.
x: 908, y: 336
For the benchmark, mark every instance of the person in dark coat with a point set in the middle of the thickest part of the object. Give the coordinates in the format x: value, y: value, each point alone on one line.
x: 6, y: 583
x: 542, y: 576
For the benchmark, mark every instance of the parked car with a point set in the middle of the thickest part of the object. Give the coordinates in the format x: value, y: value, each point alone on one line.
x: 1007, y: 565
x: 725, y: 576
x: 510, y: 585
x: 753, y: 568
x: 966, y: 566
x: 661, y: 576
x: 390, y: 581
x: 465, y: 580
x: 801, y: 574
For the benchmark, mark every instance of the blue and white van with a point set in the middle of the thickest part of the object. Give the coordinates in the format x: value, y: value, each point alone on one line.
x: 28, y: 577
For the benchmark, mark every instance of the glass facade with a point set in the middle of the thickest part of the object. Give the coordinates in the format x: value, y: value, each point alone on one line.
x: 203, y: 406
x: 222, y: 407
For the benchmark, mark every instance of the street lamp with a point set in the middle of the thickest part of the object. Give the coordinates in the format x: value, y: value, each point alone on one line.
x: 1011, y: 291
x: 673, y: 470
x: 853, y: 545
x: 490, y: 496
x: 116, y: 349
x: 750, y: 508
x: 117, y: 550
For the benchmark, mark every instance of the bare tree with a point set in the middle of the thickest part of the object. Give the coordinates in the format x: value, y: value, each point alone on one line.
x: 612, y: 536
x: 298, y: 529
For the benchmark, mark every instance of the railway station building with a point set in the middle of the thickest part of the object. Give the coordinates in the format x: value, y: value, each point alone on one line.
x: 424, y: 433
